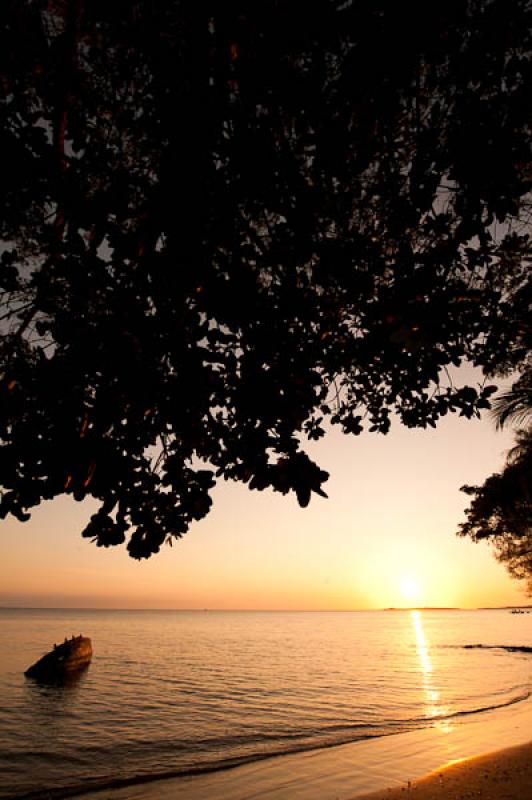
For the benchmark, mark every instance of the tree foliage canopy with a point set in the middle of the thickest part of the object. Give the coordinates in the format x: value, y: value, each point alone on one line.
x: 501, y: 509
x: 226, y: 223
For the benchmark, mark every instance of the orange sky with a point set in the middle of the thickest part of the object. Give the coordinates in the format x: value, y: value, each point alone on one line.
x: 385, y: 537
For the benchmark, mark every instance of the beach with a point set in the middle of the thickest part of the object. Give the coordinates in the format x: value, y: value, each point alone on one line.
x: 503, y: 775
x: 386, y: 768
x: 265, y: 401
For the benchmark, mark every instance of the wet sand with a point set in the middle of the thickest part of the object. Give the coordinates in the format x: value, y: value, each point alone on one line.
x: 503, y: 775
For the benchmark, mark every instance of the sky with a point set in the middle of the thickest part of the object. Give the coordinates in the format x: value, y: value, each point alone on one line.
x: 385, y: 537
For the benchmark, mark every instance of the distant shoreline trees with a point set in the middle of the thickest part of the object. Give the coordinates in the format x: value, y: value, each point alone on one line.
x: 223, y: 224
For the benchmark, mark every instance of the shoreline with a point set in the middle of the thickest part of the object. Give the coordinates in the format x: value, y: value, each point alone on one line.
x: 501, y: 775
x: 354, y: 771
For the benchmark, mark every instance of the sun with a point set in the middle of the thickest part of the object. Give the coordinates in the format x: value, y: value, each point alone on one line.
x: 409, y: 589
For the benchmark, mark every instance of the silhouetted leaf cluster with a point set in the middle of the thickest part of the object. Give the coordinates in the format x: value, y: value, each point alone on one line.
x: 501, y: 510
x: 227, y: 224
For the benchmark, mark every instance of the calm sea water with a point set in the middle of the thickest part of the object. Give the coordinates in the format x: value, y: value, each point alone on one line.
x: 176, y: 692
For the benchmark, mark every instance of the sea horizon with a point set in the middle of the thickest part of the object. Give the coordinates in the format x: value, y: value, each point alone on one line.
x: 265, y: 610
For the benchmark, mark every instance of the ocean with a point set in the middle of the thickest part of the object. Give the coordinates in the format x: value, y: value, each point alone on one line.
x: 172, y: 693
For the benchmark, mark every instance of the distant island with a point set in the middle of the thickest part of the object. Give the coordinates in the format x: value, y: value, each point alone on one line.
x: 424, y: 608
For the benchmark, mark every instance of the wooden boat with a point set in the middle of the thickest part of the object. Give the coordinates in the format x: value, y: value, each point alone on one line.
x: 69, y: 657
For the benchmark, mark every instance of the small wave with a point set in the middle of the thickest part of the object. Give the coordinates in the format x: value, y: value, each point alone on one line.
x: 511, y: 702
x: 391, y: 728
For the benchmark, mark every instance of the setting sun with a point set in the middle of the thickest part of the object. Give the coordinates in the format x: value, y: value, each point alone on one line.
x: 410, y: 589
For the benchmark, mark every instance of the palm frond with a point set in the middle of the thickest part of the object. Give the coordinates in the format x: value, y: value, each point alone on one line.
x: 515, y: 405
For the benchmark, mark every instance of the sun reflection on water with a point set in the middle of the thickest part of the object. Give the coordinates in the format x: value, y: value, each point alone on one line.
x: 432, y: 696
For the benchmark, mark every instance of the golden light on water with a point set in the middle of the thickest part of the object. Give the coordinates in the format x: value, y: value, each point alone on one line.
x: 421, y: 643
x: 431, y: 693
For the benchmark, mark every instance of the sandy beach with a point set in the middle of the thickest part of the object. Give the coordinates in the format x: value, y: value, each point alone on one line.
x: 503, y: 775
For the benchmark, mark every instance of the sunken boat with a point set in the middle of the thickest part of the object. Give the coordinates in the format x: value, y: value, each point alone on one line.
x: 68, y: 658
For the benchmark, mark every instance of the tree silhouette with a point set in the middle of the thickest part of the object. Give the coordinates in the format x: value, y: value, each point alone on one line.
x: 226, y: 223
x: 501, y: 509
